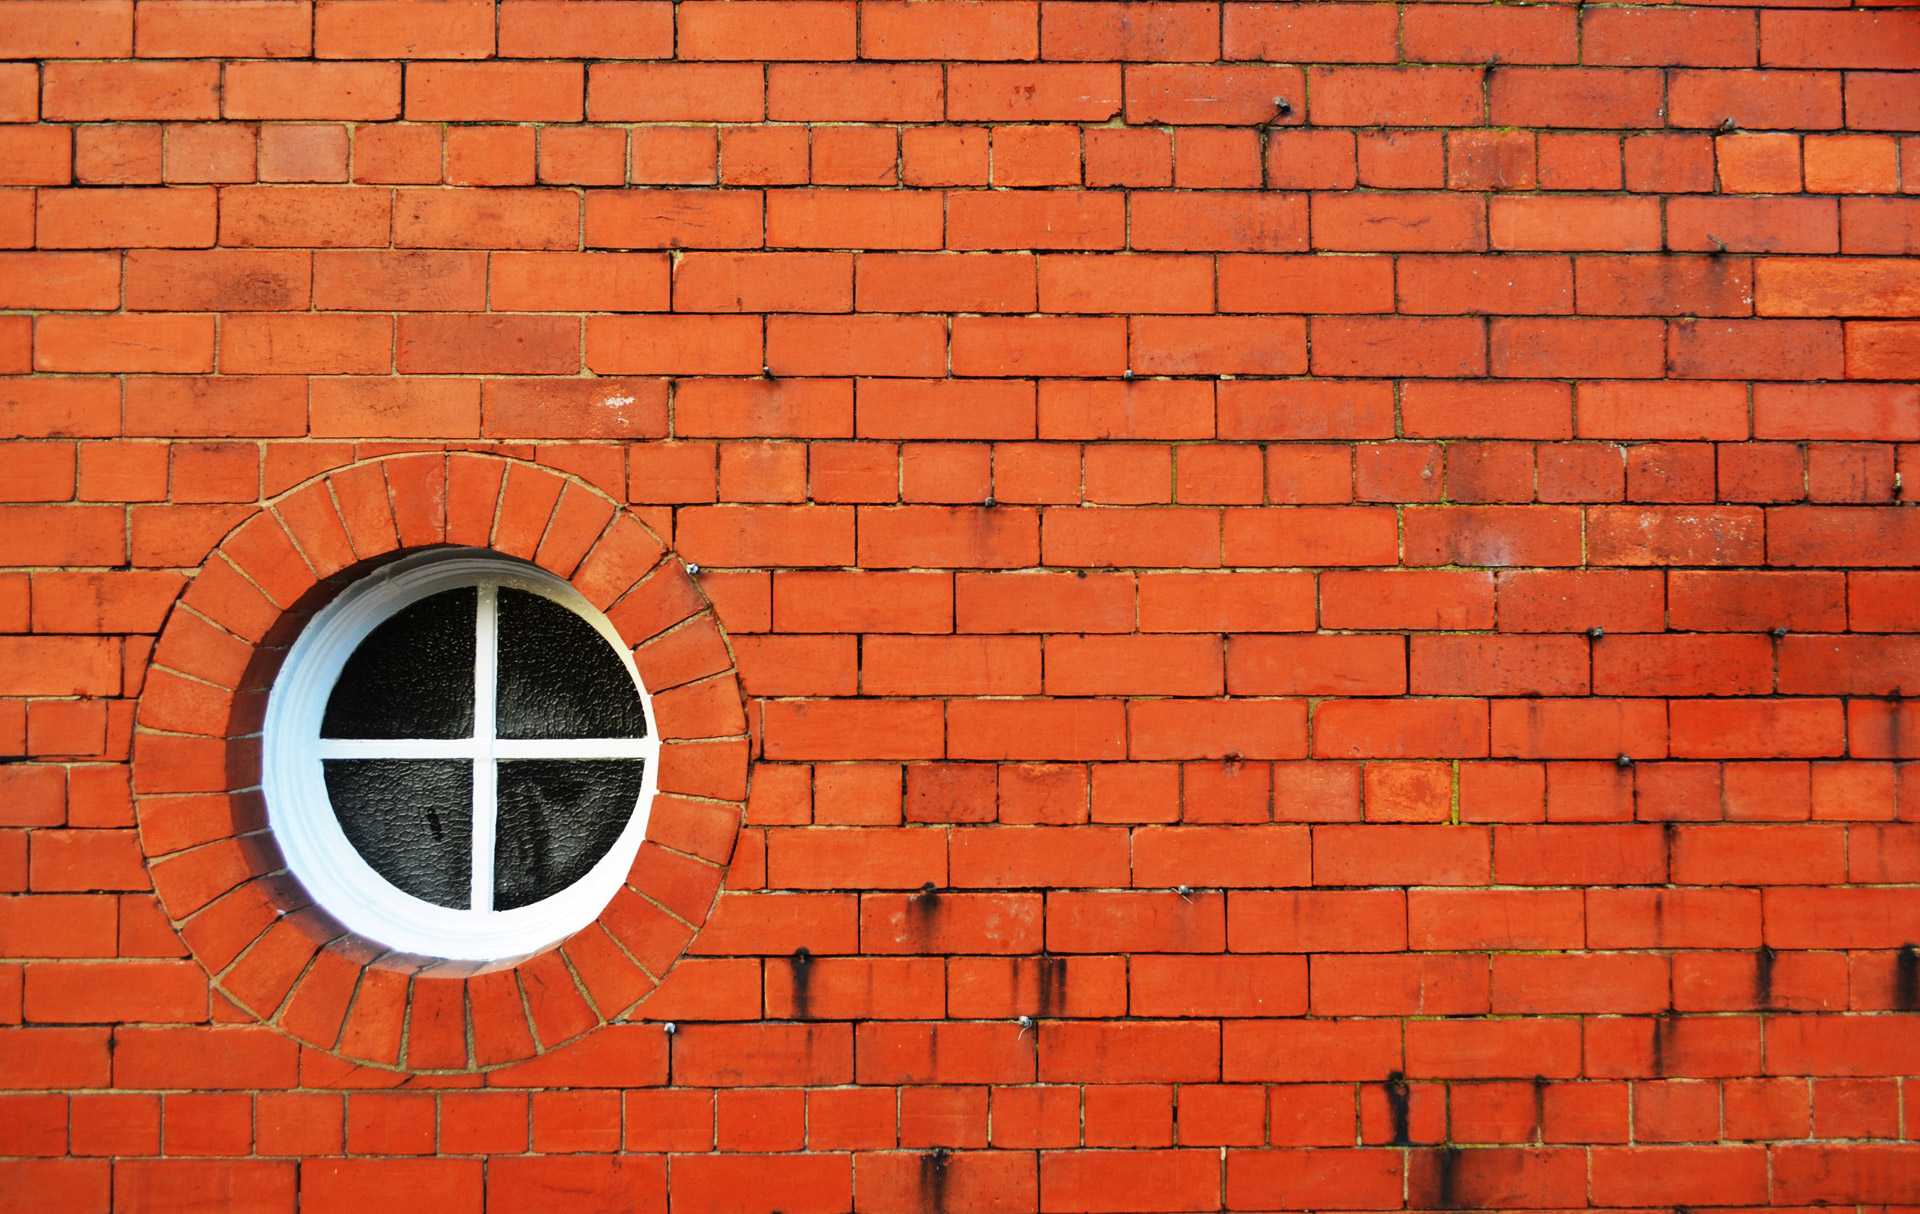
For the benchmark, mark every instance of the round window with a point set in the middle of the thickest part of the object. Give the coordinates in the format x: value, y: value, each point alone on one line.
x: 459, y: 758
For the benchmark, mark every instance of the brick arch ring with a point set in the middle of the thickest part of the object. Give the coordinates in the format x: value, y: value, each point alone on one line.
x: 197, y: 755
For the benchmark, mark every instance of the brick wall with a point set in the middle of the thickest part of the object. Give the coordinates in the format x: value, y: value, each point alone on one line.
x: 1322, y: 595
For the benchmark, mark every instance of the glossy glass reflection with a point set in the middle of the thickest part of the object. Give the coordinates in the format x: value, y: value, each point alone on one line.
x: 557, y: 817
x: 559, y: 678
x: 413, y: 675
x: 411, y: 820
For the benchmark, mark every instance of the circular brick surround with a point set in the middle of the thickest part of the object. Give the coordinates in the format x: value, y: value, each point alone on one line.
x: 196, y: 761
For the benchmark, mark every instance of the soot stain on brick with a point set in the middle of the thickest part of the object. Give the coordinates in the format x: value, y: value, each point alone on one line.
x: 923, y: 907
x: 1663, y: 1027
x: 1763, y: 961
x: 1906, y: 978
x: 802, y: 972
x: 933, y: 1178
x: 1539, y: 1107
x: 1398, y: 1104
x: 1447, y: 1166
x: 1053, y: 984
x: 1894, y: 713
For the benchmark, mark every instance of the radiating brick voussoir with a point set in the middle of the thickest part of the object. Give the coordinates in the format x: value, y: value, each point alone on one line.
x: 222, y: 880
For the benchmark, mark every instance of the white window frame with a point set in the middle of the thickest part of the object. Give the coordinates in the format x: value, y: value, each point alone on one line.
x: 301, y: 816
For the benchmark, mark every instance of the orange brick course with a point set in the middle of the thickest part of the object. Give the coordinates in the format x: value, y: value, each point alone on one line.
x: 1255, y: 606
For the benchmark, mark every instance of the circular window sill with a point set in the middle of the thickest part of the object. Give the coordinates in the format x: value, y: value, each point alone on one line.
x: 196, y: 765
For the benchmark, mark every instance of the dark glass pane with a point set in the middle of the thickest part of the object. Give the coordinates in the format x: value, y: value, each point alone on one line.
x: 411, y: 820
x: 412, y: 677
x: 558, y: 676
x: 557, y: 818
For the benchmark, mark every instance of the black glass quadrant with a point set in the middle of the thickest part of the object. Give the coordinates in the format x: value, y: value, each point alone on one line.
x: 557, y: 818
x: 411, y: 820
x: 558, y: 677
x: 412, y: 677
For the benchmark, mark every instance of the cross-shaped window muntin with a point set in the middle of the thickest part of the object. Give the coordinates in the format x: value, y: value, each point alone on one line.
x: 310, y: 836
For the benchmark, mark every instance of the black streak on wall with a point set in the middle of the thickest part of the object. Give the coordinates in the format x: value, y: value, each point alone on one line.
x: 1663, y: 1027
x: 1398, y: 1102
x: 1906, y: 978
x: 1448, y: 1166
x: 802, y: 970
x: 933, y: 1178
x: 923, y: 907
x: 1053, y: 985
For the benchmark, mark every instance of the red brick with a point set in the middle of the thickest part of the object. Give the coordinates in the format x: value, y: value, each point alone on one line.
x: 1654, y: 535
x: 1652, y: 36
x: 1623, y: 982
x: 1436, y: 34
x: 254, y: 1185
x: 1329, y: 921
x: 336, y: 91
x: 907, y: 729
x: 1103, y: 31
x: 954, y: 30
x: 1876, y: 101
x: 568, y: 29
x: 1412, y: 222
x: 1197, y: 95
x: 675, y: 92
x: 668, y: 345
x: 795, y: 29
x: 1479, y: 284
x: 590, y: 1183
x: 36, y: 155
x: 523, y: 345
x: 1137, y: 665
x: 1233, y: 221
x: 514, y: 219
x: 1030, y: 93
x: 1802, y: 1172
x: 1308, y: 33
x: 1039, y: 856
x: 64, y: 30
x: 1579, y: 162
x: 395, y: 408
x: 1558, y: 855
x: 495, y: 92
x: 1229, y: 602
x: 1576, y: 97
x: 1316, y: 665
x: 1678, y: 1173
x: 853, y: 92
x: 912, y: 282
x: 253, y: 29
x: 1298, y: 409
x: 1042, y: 602
x: 1423, y: 855
x: 1280, y: 1050
x: 1128, y: 157
x: 1493, y: 1049
x: 1024, y: 155
x: 151, y: 91
x: 1103, y: 1182
x: 172, y: 218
